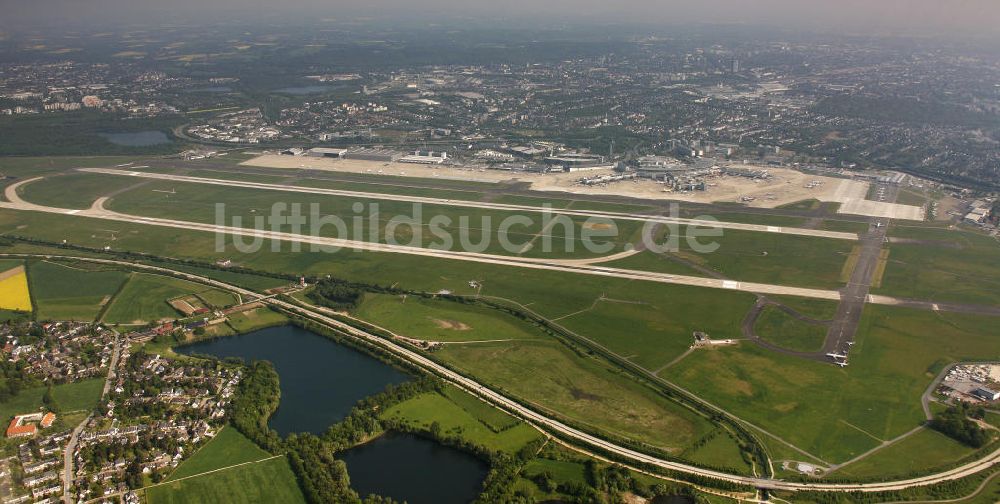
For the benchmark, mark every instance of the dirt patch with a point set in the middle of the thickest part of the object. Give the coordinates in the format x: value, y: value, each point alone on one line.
x: 883, y: 261
x: 104, y: 300
x: 451, y: 325
x: 597, y: 226
x: 582, y: 395
x: 182, y: 306
x: 742, y: 386
x: 786, y: 407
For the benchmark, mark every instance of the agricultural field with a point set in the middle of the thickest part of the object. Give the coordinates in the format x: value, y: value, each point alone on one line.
x: 835, y: 413
x: 784, y: 330
x: 14, y: 292
x: 145, y: 298
x: 581, y: 388
x: 477, y: 423
x: 68, y: 291
x: 441, y: 320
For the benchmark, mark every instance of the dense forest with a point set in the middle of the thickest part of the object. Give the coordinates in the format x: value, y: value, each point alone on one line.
x: 337, y: 295
x: 956, y: 423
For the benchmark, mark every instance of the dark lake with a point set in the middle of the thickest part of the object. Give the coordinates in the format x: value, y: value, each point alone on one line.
x: 212, y: 89
x: 138, y: 139
x: 413, y: 469
x: 320, y: 380
x: 304, y: 90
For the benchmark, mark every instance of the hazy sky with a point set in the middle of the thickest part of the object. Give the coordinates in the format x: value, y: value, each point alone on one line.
x: 958, y: 16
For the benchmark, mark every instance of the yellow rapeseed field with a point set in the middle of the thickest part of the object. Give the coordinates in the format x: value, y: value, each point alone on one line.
x: 14, y: 290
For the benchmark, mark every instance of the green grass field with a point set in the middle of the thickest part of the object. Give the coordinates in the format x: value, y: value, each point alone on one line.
x: 911, y: 197
x: 6, y: 264
x: 969, y: 274
x: 209, y: 475
x: 634, y: 322
x: 27, y: 167
x: 271, y: 480
x: 780, y: 328
x: 391, y: 189
x: 839, y: 413
x: 925, y: 450
x: 468, y: 228
x: 819, y: 309
x: 581, y: 388
x: 81, y: 395
x: 144, y: 298
x: 458, y: 419
x: 757, y: 257
x: 440, y: 320
x: 228, y: 447
x: 74, y: 190
x: 721, y: 451
x: 64, y: 291
x: 247, y: 281
x: 256, y: 319
x: 561, y: 470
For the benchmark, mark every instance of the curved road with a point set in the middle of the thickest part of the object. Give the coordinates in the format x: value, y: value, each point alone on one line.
x: 550, y: 424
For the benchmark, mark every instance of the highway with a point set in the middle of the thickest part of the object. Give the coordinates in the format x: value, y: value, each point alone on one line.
x: 550, y: 424
x: 479, y: 205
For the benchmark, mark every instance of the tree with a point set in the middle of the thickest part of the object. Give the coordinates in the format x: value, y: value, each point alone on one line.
x: 49, y: 400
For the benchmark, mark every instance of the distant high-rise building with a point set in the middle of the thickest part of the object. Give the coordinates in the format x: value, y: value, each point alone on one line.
x: 736, y: 65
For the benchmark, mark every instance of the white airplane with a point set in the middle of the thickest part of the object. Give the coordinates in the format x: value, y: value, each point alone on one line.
x: 836, y: 356
x: 841, y: 364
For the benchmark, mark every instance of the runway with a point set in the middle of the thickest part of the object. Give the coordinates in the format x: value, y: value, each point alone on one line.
x: 578, y: 266
x: 837, y: 235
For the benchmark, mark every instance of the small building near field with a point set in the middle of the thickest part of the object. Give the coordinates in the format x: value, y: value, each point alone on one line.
x: 25, y: 425
x: 985, y: 394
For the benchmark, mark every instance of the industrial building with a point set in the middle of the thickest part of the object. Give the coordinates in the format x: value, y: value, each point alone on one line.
x: 326, y: 152
x: 373, y: 154
x: 986, y: 394
x: 425, y: 157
